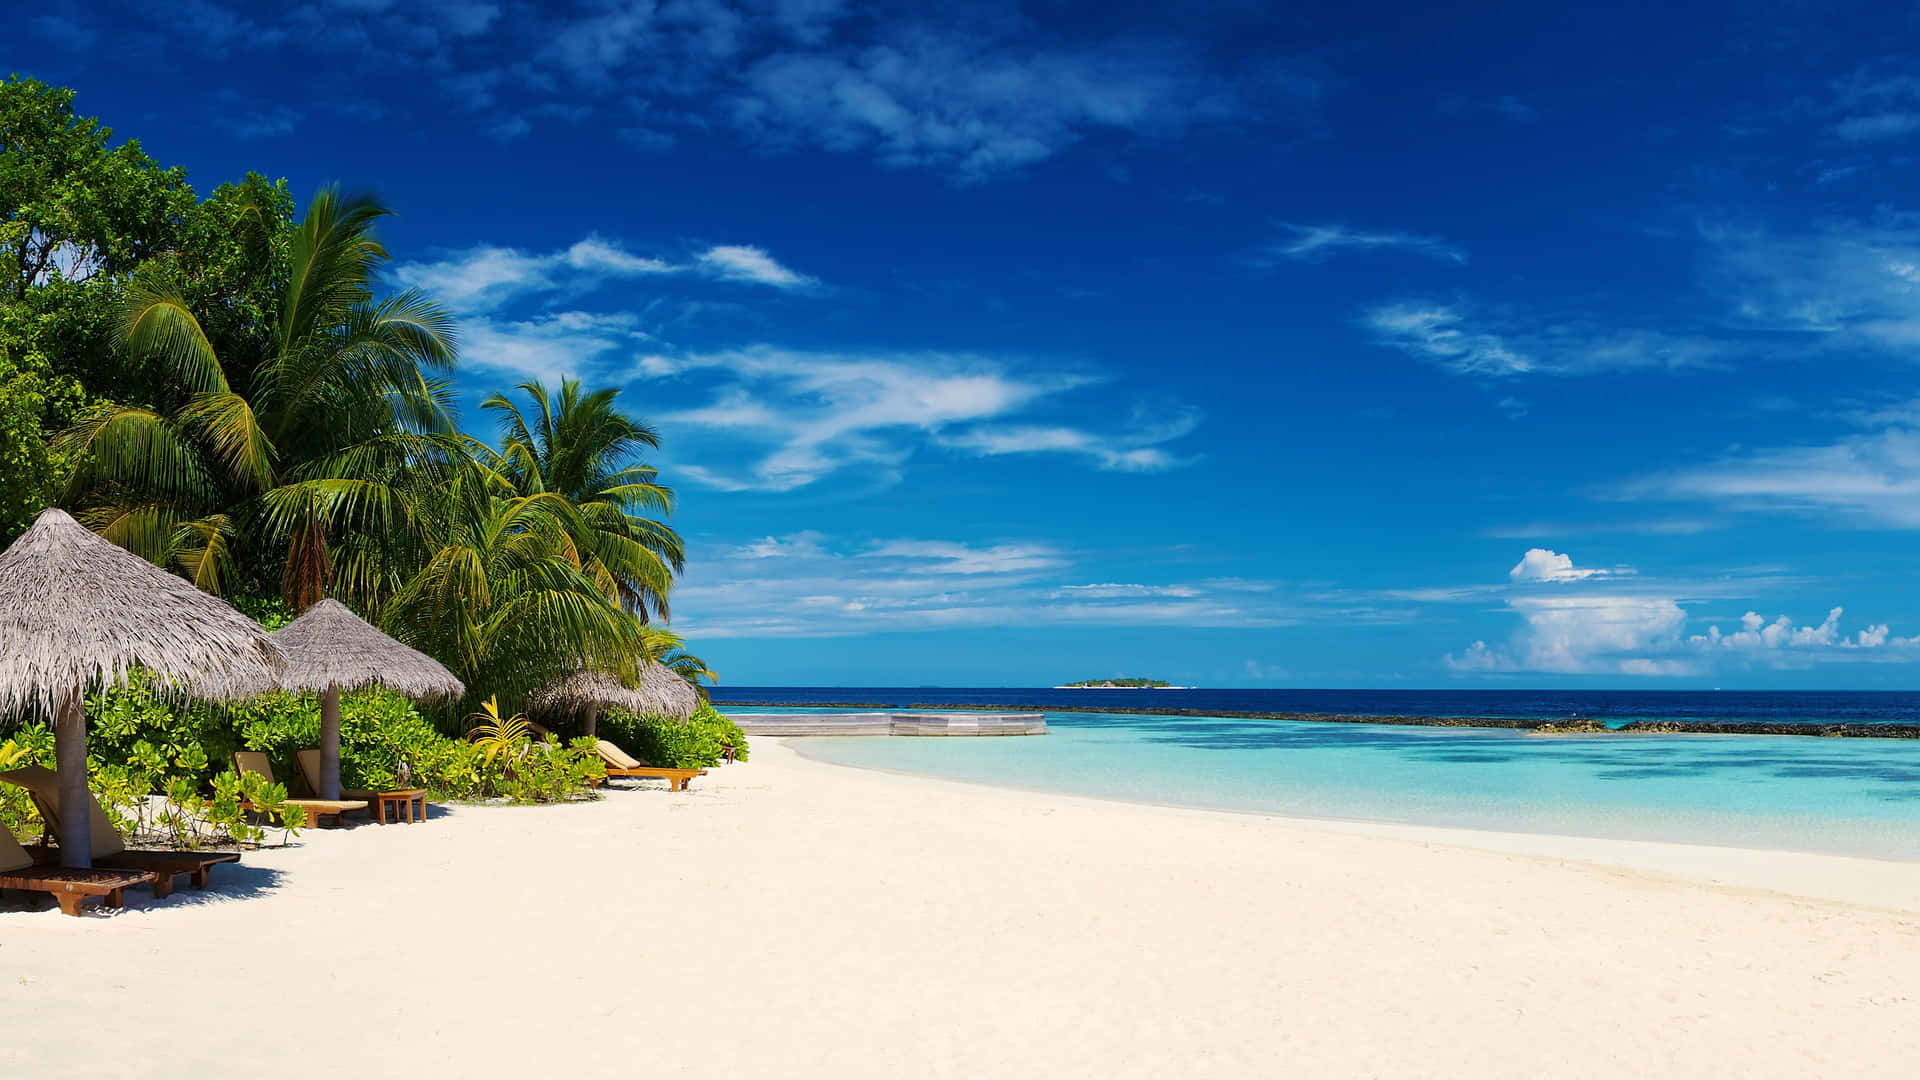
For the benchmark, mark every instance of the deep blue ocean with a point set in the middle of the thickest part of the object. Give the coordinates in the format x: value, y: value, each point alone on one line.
x: 1618, y: 706
x: 1858, y: 796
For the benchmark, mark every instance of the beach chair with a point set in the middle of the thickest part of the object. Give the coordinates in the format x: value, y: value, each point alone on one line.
x: 67, y: 885
x: 109, y: 850
x: 317, y: 810
x: 623, y: 766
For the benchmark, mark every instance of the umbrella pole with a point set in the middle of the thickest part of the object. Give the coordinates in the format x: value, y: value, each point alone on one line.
x: 330, y: 744
x: 70, y: 757
x: 587, y: 723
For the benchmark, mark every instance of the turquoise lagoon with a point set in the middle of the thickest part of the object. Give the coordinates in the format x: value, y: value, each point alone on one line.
x: 1846, y: 796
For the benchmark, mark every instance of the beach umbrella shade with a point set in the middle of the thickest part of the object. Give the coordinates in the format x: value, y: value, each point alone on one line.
x: 329, y: 649
x: 78, y: 613
x: 660, y: 692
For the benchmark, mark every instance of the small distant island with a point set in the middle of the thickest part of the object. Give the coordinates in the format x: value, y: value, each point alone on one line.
x: 1121, y: 684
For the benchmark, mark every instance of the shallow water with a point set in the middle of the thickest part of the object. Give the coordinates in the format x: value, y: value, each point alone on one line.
x: 1847, y: 796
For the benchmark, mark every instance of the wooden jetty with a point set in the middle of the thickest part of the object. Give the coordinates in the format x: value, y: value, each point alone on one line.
x: 885, y: 723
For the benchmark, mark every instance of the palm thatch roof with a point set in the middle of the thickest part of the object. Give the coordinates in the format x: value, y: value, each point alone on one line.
x: 331, y: 648
x: 78, y: 612
x: 660, y: 692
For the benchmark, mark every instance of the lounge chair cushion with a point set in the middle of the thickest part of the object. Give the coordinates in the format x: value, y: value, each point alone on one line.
x: 45, y: 785
x: 310, y: 768
x: 254, y: 761
x: 617, y: 757
x: 12, y: 855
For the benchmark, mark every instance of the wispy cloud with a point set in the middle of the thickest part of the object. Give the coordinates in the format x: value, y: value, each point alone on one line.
x: 1450, y: 335
x: 1137, y: 448
x: 1314, y: 243
x: 733, y: 262
x: 809, y: 584
x: 1871, y: 479
x: 969, y: 94
x: 1876, y: 103
x: 1845, y: 283
x: 484, y: 277
x: 817, y: 413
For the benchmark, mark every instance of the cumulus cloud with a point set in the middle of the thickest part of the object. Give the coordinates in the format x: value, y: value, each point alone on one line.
x: 1314, y: 243
x: 1450, y: 336
x: 1756, y: 634
x: 1598, y: 625
x: 1585, y: 634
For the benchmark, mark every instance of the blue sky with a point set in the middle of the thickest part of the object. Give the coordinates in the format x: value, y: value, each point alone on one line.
x: 1345, y: 345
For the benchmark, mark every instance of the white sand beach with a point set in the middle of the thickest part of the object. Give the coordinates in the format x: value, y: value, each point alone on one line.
x: 790, y: 918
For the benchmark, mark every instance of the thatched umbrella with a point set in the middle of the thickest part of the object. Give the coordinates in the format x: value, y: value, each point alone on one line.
x: 330, y: 649
x: 77, y: 613
x: 660, y: 692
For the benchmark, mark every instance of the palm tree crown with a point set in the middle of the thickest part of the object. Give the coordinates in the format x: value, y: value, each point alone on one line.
x: 579, y: 447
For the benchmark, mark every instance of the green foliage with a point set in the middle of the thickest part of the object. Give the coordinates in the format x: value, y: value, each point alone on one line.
x: 576, y: 445
x: 195, y: 815
x: 696, y: 744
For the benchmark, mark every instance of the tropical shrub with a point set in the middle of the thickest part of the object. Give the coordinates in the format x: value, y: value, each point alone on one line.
x: 696, y: 744
x: 190, y: 818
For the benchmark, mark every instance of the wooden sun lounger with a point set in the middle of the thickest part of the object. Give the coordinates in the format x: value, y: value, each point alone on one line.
x: 109, y: 852
x: 68, y: 885
x: 317, y: 810
x: 621, y: 766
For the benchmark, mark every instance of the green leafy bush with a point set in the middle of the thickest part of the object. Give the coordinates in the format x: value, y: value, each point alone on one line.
x: 697, y: 744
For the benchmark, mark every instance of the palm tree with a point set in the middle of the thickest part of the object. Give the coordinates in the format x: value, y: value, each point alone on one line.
x: 310, y: 457
x: 668, y: 649
x: 502, y: 597
x: 579, y: 447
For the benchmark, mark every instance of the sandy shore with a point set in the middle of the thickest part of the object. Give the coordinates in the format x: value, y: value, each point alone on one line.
x: 789, y: 918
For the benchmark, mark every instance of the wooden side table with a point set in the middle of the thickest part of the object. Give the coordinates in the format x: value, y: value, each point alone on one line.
x: 408, y: 799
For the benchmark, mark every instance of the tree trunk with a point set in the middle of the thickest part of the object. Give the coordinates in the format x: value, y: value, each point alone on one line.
x: 330, y: 744
x: 587, y: 723
x: 70, y: 755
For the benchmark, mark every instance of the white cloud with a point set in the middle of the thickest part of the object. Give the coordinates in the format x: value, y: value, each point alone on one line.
x: 1598, y: 625
x: 1131, y: 450
x: 1448, y: 336
x: 956, y: 100
x: 484, y: 278
x: 817, y: 413
x: 801, y: 545
x: 1876, y: 102
x: 1842, y: 284
x: 1585, y: 634
x: 1871, y: 479
x: 810, y: 585
x: 1540, y: 564
x: 1757, y: 635
x: 740, y: 263
x: 1119, y: 591
x: 947, y: 557
x: 1314, y: 243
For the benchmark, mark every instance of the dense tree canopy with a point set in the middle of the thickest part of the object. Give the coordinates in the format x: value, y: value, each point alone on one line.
x: 222, y: 386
